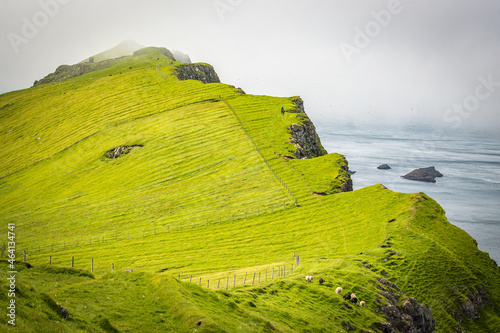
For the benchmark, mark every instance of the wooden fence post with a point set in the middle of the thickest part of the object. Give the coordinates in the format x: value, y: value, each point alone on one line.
x: 113, y: 266
x: 200, y: 281
x: 253, y: 281
x: 245, y: 280
x: 234, y: 281
x: 24, y: 256
x: 208, y: 284
x: 227, y: 282
x: 218, y: 283
x: 272, y: 276
x: 72, y: 261
x: 50, y: 260
x: 190, y: 277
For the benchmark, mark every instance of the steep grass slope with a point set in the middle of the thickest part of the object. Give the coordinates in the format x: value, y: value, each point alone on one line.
x: 209, y: 193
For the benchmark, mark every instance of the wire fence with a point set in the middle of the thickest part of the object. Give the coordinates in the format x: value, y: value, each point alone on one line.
x: 117, y: 235
x: 211, y: 280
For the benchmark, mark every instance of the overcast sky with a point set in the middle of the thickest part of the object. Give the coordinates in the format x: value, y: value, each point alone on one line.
x: 436, y: 62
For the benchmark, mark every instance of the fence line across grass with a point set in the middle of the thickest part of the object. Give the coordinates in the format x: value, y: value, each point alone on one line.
x: 239, y: 280
x: 210, y: 280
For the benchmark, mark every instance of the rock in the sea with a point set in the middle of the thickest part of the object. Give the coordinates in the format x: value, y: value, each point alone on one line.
x: 384, y: 167
x: 424, y: 175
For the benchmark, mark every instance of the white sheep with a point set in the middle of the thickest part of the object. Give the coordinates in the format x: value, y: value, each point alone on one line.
x: 309, y: 278
x: 362, y: 303
x: 339, y: 290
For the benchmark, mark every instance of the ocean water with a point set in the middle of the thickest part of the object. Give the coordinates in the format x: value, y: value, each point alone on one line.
x: 469, y: 190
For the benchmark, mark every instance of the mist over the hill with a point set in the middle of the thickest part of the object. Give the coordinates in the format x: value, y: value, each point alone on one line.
x: 366, y: 61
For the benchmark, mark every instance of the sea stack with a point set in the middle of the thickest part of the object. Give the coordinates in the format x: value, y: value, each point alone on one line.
x: 424, y: 174
x: 384, y: 167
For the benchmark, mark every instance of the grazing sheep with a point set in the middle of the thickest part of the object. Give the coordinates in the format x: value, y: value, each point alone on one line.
x: 321, y: 280
x: 354, y: 299
x: 347, y: 297
x: 362, y: 303
x: 339, y: 290
x: 309, y: 278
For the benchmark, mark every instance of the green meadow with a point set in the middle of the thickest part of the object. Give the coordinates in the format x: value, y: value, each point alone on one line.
x: 197, y: 227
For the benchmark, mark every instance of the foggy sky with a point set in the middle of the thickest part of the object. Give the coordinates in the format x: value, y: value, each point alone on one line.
x: 365, y: 61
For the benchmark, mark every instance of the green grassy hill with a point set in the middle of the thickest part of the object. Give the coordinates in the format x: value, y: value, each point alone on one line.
x: 207, y: 209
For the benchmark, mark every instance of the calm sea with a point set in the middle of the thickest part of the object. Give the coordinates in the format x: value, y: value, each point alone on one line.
x: 469, y: 191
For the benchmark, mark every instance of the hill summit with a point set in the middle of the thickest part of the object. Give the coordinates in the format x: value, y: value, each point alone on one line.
x: 145, y: 195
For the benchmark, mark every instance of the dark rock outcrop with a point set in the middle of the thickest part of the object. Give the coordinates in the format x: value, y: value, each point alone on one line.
x: 383, y: 167
x: 424, y: 174
x: 347, y: 183
x: 304, y: 136
x: 348, y: 326
x: 408, y: 317
x: 201, y: 72
x: 470, y: 307
x: 119, y: 151
x: 65, y: 72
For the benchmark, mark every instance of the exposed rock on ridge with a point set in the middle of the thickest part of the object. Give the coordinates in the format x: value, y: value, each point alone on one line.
x: 201, y: 72
x: 347, y: 184
x: 65, y: 72
x: 410, y: 317
x: 470, y: 308
x: 119, y: 151
x: 304, y: 136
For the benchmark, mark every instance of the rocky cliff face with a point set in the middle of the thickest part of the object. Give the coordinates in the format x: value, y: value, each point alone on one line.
x: 410, y: 317
x: 471, y: 305
x: 201, y: 72
x: 304, y: 136
x: 347, y: 184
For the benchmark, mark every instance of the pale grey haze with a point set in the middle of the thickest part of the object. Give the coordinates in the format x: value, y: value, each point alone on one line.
x: 363, y: 61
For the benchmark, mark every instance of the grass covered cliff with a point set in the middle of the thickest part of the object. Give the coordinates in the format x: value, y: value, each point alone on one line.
x: 214, y: 194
